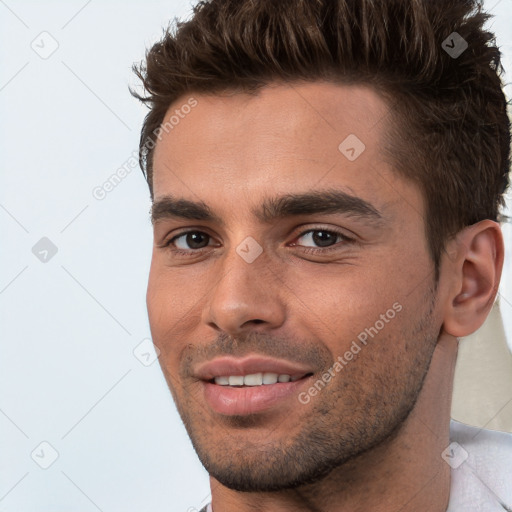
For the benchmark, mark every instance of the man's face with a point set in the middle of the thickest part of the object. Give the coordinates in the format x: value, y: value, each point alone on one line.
x: 291, y: 288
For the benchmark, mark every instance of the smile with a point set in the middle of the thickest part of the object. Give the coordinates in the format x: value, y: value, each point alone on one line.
x: 255, y: 379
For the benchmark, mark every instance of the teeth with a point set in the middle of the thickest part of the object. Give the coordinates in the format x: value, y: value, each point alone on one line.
x: 236, y: 380
x: 270, y: 378
x: 254, y: 379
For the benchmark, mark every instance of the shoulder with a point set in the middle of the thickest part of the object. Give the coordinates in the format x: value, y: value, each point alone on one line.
x: 482, y: 467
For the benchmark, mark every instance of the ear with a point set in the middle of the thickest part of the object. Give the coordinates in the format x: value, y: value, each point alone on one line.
x: 474, y: 261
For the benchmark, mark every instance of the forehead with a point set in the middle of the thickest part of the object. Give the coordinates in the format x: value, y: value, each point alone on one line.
x: 285, y: 138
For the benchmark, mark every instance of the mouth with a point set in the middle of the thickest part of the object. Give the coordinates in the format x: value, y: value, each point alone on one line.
x: 256, y: 379
x: 251, y: 385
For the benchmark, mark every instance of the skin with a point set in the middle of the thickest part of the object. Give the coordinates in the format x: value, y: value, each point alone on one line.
x: 372, y: 438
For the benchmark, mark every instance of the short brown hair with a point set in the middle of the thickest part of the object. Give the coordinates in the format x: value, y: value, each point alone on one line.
x: 448, y: 130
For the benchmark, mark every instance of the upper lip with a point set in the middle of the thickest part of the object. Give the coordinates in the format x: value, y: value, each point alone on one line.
x: 226, y: 366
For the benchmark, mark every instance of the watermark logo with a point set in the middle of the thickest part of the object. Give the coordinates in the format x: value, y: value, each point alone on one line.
x: 45, y: 45
x: 305, y: 396
x: 352, y: 147
x: 146, y: 352
x: 173, y: 121
x: 249, y: 249
x: 101, y: 191
x: 454, y: 455
x: 44, y: 455
x: 44, y: 250
x: 454, y: 45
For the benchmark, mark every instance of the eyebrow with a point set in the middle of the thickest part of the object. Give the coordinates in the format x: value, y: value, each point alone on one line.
x: 273, y: 208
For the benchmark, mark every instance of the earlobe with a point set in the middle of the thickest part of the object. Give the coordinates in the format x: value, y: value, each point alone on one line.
x: 477, y: 270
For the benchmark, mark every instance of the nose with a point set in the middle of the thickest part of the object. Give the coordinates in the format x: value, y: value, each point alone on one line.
x: 245, y: 295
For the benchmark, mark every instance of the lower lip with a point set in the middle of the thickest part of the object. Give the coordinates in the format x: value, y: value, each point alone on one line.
x: 241, y: 401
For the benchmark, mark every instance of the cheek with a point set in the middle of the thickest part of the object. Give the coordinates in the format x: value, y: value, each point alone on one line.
x: 172, y: 292
x: 372, y: 307
x: 339, y: 304
x: 156, y: 299
x: 173, y: 311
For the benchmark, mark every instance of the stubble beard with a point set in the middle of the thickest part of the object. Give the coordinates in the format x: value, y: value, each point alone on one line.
x: 362, y: 408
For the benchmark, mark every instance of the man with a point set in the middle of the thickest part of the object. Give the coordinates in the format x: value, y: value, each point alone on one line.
x: 326, y: 177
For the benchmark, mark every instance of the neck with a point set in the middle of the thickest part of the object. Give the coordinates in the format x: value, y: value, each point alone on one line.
x: 405, y: 473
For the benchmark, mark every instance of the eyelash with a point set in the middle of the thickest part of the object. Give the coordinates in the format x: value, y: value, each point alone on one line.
x: 307, y: 250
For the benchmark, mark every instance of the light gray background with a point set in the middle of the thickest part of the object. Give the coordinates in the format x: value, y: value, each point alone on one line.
x: 70, y: 325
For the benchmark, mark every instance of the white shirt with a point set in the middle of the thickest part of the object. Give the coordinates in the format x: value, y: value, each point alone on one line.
x: 483, y: 481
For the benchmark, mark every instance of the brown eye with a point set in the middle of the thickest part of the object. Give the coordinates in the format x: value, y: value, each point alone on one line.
x: 321, y: 238
x: 189, y: 242
x: 194, y: 240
